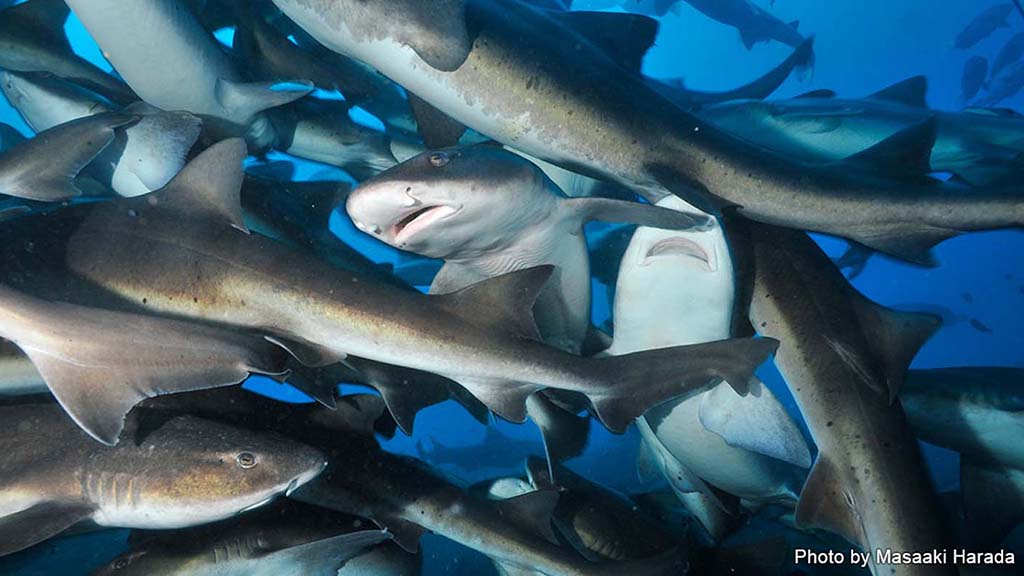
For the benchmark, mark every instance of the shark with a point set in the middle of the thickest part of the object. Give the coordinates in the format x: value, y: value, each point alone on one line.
x: 172, y: 473
x: 32, y: 39
x: 678, y: 287
x: 565, y: 87
x: 172, y: 63
x: 144, y: 157
x: 979, y: 145
x: 482, y: 337
x: 843, y: 358
x: 285, y: 538
x: 44, y: 168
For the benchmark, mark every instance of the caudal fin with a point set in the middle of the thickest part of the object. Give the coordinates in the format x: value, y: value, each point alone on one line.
x: 626, y: 386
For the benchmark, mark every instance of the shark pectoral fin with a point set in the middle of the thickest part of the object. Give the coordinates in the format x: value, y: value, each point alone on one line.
x: 820, y: 93
x: 895, y: 336
x: 248, y: 99
x: 333, y: 552
x: 502, y: 303
x: 681, y: 479
x: 406, y: 534
x: 624, y: 387
x: 98, y: 389
x: 689, y: 189
x: 59, y: 154
x: 405, y: 391
x: 565, y: 434
x: 310, y: 382
x: 757, y: 422
x: 905, y: 154
x: 533, y: 511
x: 909, y: 242
x: 38, y: 523
x: 306, y: 352
x: 437, y: 129
x: 993, y: 503
x: 912, y: 92
x: 825, y: 505
x: 209, y: 186
x: 624, y: 37
x: 617, y: 211
x: 750, y: 37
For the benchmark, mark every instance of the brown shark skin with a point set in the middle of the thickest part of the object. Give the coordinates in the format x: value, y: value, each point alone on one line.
x: 174, y: 472
x: 536, y: 83
x: 803, y: 300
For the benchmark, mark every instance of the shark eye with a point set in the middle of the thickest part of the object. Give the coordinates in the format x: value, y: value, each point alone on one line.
x: 439, y: 159
x: 246, y: 460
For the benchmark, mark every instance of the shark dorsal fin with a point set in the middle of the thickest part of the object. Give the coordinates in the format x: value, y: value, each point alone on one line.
x: 912, y: 92
x: 209, y: 186
x: 824, y: 505
x: 504, y: 302
x: 626, y: 38
x: 895, y: 337
x: 906, y: 153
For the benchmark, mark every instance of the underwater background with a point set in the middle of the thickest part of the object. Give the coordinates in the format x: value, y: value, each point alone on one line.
x: 861, y: 46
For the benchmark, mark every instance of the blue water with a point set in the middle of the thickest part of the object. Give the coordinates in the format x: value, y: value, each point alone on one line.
x: 861, y: 46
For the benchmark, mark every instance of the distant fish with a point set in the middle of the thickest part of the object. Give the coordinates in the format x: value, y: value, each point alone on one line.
x: 1010, y: 53
x: 973, y: 79
x: 983, y: 25
x: 967, y: 297
x: 755, y: 24
x: 980, y: 326
x: 1005, y: 86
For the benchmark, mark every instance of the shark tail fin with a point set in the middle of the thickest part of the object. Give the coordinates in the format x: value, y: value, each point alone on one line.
x: 624, y: 387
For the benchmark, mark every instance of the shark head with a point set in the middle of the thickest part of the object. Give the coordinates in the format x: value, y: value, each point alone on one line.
x: 189, y: 471
x: 452, y: 203
x: 45, y: 100
x: 649, y: 312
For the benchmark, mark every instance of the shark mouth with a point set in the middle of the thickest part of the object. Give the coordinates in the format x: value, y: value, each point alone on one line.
x: 681, y: 246
x: 417, y: 221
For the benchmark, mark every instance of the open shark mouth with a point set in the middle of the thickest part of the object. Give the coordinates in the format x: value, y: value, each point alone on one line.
x: 417, y: 221
x: 681, y: 246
